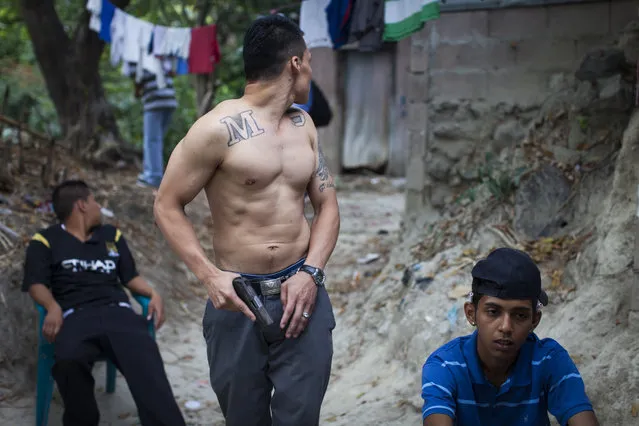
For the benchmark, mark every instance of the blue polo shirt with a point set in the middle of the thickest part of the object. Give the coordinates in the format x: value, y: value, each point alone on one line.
x: 544, y: 379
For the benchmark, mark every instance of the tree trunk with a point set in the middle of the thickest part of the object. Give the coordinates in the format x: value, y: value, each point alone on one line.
x: 70, y: 66
x: 204, y: 83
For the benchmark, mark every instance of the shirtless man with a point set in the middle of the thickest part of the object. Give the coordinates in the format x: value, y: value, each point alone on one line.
x: 255, y: 157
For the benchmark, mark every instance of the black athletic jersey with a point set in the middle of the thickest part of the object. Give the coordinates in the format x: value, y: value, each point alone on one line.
x: 80, y: 274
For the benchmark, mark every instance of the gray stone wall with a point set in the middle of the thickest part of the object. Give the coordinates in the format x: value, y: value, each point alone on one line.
x: 476, y: 79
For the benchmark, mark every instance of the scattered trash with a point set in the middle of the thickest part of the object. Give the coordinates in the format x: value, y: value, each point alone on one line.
x: 9, y: 232
x: 452, y: 315
x: 106, y: 212
x: 407, y: 277
x: 31, y: 201
x: 382, y: 232
x: 46, y: 207
x: 423, y: 282
x: 123, y: 416
x: 203, y: 383
x: 5, y: 211
x: 192, y: 405
x: 459, y: 291
x: 356, y: 277
x: 634, y: 410
x: 369, y: 258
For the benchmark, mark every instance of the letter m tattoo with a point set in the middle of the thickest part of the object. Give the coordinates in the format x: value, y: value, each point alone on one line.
x: 241, y: 127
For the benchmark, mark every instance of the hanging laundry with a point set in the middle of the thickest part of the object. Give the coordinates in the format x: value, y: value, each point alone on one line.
x: 145, y: 61
x: 94, y: 7
x: 338, y: 15
x: 133, y: 33
x: 159, y: 34
x: 367, y: 24
x: 204, y: 52
x: 181, y: 66
x: 314, y: 24
x: 404, y: 17
x: 176, y: 42
x: 118, y: 29
x: 106, y: 17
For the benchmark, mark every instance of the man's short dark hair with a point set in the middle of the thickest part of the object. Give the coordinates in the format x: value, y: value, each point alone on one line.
x: 66, y: 194
x: 268, y: 43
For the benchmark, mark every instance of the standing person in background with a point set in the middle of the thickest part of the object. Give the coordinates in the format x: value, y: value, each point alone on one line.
x: 159, y: 101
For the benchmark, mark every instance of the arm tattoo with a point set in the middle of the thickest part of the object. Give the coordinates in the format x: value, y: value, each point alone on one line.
x: 322, y: 172
x: 298, y: 119
x: 241, y: 127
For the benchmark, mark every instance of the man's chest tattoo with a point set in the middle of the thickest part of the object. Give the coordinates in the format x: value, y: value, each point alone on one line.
x: 241, y: 127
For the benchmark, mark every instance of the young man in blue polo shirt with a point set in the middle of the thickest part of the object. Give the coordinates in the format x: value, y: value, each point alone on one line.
x: 503, y: 374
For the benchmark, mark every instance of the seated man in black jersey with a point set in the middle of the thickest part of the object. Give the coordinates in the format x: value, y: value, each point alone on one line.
x: 76, y: 270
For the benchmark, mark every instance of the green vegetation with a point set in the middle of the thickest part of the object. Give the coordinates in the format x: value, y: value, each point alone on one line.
x: 20, y: 70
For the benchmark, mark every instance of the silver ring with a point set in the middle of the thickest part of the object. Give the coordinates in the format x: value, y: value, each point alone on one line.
x: 306, y: 315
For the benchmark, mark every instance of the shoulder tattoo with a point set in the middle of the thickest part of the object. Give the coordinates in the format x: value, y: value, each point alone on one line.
x: 298, y: 118
x: 241, y: 127
x: 323, y: 174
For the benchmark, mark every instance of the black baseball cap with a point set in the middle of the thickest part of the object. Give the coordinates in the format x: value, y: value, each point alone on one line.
x: 508, y: 274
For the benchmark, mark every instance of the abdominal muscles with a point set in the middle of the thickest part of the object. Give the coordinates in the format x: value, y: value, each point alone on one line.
x: 258, y: 230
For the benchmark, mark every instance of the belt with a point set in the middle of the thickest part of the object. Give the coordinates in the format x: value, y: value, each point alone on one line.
x: 269, y: 286
x: 72, y: 310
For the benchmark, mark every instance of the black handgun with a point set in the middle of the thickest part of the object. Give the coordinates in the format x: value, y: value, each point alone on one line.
x: 245, y: 292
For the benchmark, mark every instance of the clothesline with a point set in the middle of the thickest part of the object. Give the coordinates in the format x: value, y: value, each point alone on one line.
x: 142, y: 46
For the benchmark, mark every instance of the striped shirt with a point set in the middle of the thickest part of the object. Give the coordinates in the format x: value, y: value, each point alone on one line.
x: 544, y: 379
x: 154, y: 97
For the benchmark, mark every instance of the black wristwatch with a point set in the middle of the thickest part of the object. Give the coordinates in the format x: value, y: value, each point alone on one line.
x: 318, y: 275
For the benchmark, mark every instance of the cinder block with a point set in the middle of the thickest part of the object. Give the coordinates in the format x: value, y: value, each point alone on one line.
x: 416, y: 143
x: 547, y: 54
x: 491, y: 54
x: 415, y: 174
x: 414, y: 202
x: 621, y: 13
x: 517, y: 87
x: 451, y: 85
x: 422, y: 36
x: 518, y: 24
x: 417, y: 90
x: 461, y: 26
x: 417, y: 116
x: 418, y: 58
x: 576, y: 20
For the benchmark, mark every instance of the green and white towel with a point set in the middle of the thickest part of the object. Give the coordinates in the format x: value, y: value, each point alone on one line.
x: 404, y: 17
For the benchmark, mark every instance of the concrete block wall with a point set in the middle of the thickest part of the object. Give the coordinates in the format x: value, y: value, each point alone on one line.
x: 476, y: 78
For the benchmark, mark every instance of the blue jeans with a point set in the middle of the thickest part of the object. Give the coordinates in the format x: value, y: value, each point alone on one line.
x: 156, y: 123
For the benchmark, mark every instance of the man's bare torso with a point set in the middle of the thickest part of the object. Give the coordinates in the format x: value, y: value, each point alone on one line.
x: 256, y: 194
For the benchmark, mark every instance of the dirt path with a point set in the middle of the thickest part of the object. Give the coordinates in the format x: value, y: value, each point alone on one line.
x: 371, y: 212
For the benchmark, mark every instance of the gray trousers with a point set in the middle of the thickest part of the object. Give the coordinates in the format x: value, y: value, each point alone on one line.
x: 248, y: 363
